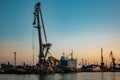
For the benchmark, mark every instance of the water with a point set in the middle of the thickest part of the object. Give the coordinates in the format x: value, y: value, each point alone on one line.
x: 69, y: 76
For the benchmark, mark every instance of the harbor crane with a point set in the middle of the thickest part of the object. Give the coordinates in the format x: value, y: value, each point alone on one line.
x: 39, y: 25
x: 113, y: 60
x: 15, y: 59
x: 102, y: 62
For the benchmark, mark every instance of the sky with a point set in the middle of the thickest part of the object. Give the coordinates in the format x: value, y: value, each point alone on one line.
x: 84, y: 26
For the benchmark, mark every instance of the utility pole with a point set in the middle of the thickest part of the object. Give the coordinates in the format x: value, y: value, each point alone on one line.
x: 82, y: 61
x: 15, y: 59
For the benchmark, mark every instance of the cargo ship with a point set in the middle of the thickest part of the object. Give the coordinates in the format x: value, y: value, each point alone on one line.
x: 66, y: 64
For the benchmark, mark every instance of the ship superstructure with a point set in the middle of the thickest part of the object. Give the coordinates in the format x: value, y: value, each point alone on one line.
x: 67, y: 64
x: 72, y: 62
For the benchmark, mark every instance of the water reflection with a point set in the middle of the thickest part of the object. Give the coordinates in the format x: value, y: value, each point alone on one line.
x: 41, y: 77
x: 108, y: 76
x: 113, y: 76
x: 49, y: 77
x: 69, y: 76
x: 102, y: 76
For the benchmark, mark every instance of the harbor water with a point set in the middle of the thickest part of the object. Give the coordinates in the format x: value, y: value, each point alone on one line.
x: 68, y: 76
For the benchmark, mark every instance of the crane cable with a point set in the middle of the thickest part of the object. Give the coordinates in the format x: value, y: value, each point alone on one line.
x: 33, y: 43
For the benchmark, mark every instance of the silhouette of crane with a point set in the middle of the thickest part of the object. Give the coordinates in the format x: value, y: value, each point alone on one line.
x: 113, y: 60
x: 102, y: 62
x: 15, y: 59
x: 38, y: 24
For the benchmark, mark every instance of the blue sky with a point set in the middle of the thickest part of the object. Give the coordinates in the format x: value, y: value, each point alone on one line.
x: 81, y: 25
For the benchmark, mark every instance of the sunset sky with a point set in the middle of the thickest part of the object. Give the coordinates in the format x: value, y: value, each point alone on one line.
x: 84, y: 26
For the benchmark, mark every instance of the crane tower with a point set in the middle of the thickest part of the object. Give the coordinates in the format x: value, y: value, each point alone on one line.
x: 39, y: 25
x: 102, y: 62
x: 113, y: 60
